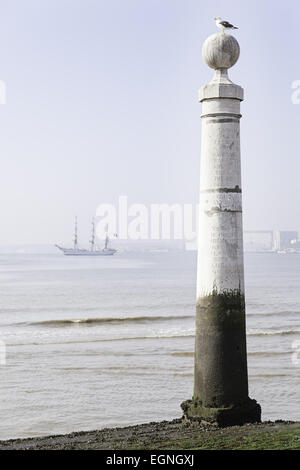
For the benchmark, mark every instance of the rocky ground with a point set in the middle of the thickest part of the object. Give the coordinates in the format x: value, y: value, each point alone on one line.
x: 170, y: 435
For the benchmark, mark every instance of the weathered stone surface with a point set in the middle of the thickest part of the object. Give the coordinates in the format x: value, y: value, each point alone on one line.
x: 247, y: 412
x: 220, y: 351
x: 221, y: 51
x: 221, y: 377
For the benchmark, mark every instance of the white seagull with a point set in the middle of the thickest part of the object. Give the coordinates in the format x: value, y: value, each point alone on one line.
x: 224, y: 24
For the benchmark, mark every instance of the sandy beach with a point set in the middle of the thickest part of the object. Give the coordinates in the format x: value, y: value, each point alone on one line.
x: 170, y: 435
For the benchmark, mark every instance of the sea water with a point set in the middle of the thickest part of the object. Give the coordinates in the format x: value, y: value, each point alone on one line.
x: 108, y: 341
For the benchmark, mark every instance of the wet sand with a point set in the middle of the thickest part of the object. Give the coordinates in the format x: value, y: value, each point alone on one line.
x: 169, y: 435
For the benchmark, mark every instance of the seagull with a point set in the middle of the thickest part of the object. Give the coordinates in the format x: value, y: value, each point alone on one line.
x: 224, y: 24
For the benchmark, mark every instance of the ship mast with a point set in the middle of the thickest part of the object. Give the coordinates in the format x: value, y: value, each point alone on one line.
x: 92, y: 241
x: 106, y: 241
x: 75, y: 236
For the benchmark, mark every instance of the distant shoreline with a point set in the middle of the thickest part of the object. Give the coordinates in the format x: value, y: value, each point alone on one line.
x: 169, y: 435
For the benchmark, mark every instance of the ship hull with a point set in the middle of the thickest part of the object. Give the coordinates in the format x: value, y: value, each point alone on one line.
x: 99, y: 253
x: 72, y: 252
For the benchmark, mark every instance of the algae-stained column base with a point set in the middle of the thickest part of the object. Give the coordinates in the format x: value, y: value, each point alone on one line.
x: 220, y: 381
x: 221, y: 377
x: 234, y: 415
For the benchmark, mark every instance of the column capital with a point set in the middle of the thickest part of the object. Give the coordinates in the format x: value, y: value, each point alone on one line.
x: 216, y: 89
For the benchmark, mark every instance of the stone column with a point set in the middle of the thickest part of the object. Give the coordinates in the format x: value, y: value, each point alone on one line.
x: 221, y: 378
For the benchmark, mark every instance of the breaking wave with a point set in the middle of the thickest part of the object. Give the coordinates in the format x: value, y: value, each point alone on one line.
x: 269, y: 353
x: 104, y: 340
x: 183, y: 354
x: 274, y: 332
x: 274, y: 314
x: 159, y: 335
x: 269, y: 375
x: 250, y: 353
x: 109, y: 320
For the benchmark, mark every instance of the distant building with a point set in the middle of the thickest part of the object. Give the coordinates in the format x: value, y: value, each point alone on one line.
x: 264, y: 241
x: 284, y: 240
x: 258, y: 240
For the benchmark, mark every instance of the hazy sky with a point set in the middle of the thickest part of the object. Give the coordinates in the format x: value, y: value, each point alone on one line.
x: 102, y: 101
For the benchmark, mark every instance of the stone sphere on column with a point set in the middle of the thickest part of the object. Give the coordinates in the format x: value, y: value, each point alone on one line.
x: 221, y: 51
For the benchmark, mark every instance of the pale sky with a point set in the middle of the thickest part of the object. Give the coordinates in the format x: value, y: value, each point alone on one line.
x: 102, y: 102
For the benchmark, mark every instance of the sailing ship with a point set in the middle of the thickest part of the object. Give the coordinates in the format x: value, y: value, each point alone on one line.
x: 93, y: 251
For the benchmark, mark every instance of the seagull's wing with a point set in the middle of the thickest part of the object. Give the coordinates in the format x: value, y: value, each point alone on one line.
x: 226, y: 24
